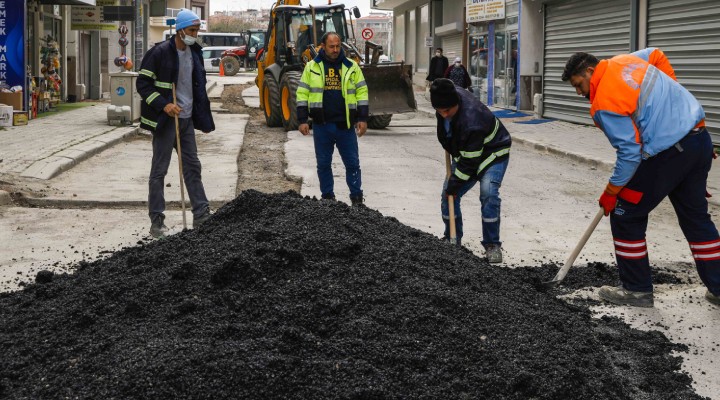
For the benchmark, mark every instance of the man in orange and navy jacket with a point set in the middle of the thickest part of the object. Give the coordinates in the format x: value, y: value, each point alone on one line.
x: 663, y: 150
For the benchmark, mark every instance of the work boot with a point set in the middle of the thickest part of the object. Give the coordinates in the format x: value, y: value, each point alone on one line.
x: 712, y: 298
x: 330, y: 197
x: 157, y: 228
x: 493, y: 252
x: 357, y: 201
x: 197, y: 221
x: 622, y: 296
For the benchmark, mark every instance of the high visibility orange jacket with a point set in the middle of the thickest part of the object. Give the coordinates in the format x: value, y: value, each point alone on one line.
x: 643, y: 110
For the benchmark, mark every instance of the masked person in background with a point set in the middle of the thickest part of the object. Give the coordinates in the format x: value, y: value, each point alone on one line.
x: 458, y: 74
x: 438, y: 65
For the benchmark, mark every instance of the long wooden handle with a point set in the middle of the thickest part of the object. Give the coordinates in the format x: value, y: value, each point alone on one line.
x: 571, y: 259
x: 451, y: 203
x: 179, y: 152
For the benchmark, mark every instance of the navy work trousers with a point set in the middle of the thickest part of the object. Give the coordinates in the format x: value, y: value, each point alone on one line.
x: 679, y: 173
x: 164, y: 142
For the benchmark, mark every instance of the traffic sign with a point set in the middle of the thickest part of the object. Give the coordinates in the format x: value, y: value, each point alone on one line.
x: 367, y: 33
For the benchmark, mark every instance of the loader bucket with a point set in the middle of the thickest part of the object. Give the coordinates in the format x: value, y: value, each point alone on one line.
x: 390, y: 88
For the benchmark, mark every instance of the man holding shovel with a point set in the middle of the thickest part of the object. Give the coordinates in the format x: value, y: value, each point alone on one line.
x: 177, y: 61
x: 480, y: 148
x: 663, y: 150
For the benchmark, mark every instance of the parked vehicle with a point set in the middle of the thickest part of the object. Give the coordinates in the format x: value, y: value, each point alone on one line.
x: 212, y: 56
x: 244, y: 56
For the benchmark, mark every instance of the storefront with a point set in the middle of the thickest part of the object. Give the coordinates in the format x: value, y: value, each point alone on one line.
x: 46, y: 46
x: 494, y: 53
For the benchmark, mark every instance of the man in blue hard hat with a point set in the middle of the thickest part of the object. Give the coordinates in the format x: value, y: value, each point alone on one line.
x: 177, y: 60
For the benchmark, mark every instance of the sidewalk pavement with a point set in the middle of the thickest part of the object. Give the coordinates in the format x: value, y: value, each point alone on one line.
x: 581, y: 143
x: 46, y: 147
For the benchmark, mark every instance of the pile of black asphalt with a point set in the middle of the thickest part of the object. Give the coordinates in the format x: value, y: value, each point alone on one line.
x: 280, y: 296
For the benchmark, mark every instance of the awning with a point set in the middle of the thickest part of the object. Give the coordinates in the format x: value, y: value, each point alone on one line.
x: 69, y: 2
x: 387, y: 4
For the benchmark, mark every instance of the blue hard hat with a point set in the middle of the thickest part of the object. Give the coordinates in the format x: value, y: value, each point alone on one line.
x: 186, y: 18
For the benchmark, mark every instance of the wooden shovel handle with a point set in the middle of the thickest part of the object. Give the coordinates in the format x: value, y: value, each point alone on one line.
x: 571, y: 259
x: 179, y: 153
x: 451, y: 203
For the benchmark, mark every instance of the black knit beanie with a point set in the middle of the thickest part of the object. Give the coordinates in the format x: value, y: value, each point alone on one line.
x: 443, y: 94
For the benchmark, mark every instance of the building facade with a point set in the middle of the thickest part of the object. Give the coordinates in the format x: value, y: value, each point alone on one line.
x: 519, y: 51
x: 70, y: 58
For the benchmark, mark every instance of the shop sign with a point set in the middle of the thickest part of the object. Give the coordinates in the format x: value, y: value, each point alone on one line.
x: 12, y: 42
x: 484, y: 10
x: 88, y: 18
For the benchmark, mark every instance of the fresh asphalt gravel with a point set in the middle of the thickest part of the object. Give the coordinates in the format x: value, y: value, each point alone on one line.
x: 279, y: 296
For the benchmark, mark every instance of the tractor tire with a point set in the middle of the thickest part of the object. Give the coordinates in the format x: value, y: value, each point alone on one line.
x: 231, y: 65
x: 288, y: 87
x: 271, y: 99
x: 379, y: 121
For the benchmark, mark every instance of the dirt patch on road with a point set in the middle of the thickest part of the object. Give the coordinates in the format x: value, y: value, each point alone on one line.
x: 261, y: 162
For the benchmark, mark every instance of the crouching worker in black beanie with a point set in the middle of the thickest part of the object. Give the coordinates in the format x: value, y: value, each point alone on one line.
x: 480, y: 148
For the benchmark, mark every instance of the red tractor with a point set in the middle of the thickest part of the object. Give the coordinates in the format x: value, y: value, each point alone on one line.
x: 245, y: 55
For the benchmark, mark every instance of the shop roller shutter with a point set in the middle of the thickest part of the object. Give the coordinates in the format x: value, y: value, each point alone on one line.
x: 688, y: 31
x: 452, y: 46
x: 598, y: 27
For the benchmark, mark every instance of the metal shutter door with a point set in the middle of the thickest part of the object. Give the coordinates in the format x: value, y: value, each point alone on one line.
x: 601, y: 28
x: 688, y: 31
x: 452, y: 46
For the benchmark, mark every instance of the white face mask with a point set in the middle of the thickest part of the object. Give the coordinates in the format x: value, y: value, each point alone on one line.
x: 438, y: 54
x: 187, y: 39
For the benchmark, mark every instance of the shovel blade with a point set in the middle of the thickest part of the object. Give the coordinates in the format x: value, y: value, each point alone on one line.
x: 551, y: 284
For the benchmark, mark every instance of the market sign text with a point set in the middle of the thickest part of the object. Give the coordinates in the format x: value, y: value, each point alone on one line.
x: 484, y: 10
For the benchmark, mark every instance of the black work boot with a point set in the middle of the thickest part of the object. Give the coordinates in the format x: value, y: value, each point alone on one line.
x: 622, y: 296
x: 357, y: 201
x: 330, y: 197
x: 712, y: 298
x: 493, y: 252
x: 157, y: 228
x: 199, y: 220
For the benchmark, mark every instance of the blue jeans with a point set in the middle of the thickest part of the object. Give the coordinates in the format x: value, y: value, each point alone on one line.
x: 490, y: 183
x: 326, y: 137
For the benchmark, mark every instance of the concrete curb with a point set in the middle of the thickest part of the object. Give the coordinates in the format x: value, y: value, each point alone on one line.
x: 562, y: 153
x: 210, y: 86
x: 65, y: 159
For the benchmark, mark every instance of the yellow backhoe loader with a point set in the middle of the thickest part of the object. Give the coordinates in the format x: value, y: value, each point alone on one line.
x: 292, y: 40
